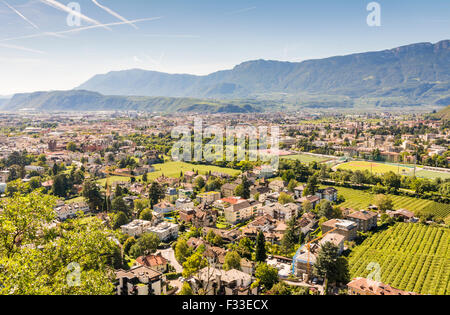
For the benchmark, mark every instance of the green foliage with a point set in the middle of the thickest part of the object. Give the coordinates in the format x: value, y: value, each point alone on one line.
x: 194, y: 264
x: 384, y: 202
x: 186, y: 289
x: 146, y: 215
x: 45, y: 261
x: 285, y: 198
x: 146, y: 244
x: 92, y: 194
x: 182, y: 251
x: 412, y: 257
x: 267, y: 275
x: 120, y: 218
x: 232, y: 261
x: 261, y: 255
x: 128, y: 244
x: 156, y: 193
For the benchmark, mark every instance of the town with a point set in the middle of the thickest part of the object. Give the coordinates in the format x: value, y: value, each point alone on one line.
x: 359, y: 205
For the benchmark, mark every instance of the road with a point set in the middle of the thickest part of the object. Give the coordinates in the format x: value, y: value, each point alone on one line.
x: 169, y: 254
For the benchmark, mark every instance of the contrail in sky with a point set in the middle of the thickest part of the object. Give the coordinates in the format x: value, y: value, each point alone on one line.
x: 21, y: 15
x: 79, y: 29
x: 65, y: 8
x: 114, y: 13
x: 22, y: 48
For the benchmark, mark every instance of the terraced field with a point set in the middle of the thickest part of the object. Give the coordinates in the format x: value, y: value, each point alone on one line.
x: 409, y: 257
x: 359, y: 200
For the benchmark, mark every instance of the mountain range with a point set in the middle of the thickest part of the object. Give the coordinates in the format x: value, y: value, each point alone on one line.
x: 413, y: 75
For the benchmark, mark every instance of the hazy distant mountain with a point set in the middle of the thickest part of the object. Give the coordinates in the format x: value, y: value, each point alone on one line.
x: 413, y: 75
x: 92, y: 101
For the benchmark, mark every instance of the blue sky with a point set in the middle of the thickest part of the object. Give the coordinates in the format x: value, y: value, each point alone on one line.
x: 195, y: 36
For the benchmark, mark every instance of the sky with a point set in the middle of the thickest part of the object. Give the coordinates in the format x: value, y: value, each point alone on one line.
x: 44, y: 45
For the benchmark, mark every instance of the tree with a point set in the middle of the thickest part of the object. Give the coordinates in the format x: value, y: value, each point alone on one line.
x: 291, y: 237
x: 311, y: 186
x: 156, y: 193
x: 194, y: 264
x: 325, y: 209
x: 119, y: 205
x: 71, y: 147
x: 146, y: 244
x: 307, y: 206
x: 245, y: 188
x: 285, y: 198
x: 245, y: 248
x: 86, y: 255
x: 60, y: 186
x: 181, y: 251
x: 261, y: 247
x: 384, y: 202
x: 186, y: 289
x: 232, y: 261
x: 93, y: 195
x: 128, y: 244
x: 210, y: 236
x: 392, y: 181
x: 140, y: 205
x: 146, y: 215
x: 326, y: 265
x: 267, y: 275
x: 119, y: 219
x: 292, y: 184
x: 199, y: 182
x: 239, y: 191
x: 218, y: 241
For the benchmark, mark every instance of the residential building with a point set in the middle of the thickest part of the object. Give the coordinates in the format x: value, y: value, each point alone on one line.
x: 140, y: 280
x: 242, y: 211
x: 215, y: 281
x: 281, y: 212
x: 156, y: 262
x: 136, y: 227
x: 366, y: 220
x: 228, y: 190
x: 165, y: 231
x: 344, y: 227
x: 164, y: 207
x: 363, y: 286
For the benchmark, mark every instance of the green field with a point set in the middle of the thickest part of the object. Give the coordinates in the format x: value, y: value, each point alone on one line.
x: 432, y: 175
x: 174, y: 169
x: 382, y: 168
x: 358, y: 200
x: 376, y: 168
x: 306, y: 158
x: 411, y: 257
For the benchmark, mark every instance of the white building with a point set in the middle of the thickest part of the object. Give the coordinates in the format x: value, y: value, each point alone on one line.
x: 136, y: 228
x: 164, y: 230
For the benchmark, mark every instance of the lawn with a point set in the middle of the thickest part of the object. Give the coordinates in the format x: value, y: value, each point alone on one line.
x: 358, y: 200
x: 432, y: 175
x: 376, y: 168
x: 306, y: 158
x: 173, y: 170
x: 411, y: 257
x: 382, y: 168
